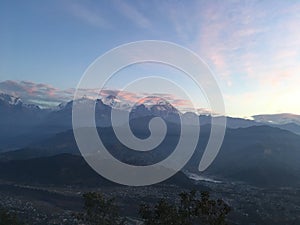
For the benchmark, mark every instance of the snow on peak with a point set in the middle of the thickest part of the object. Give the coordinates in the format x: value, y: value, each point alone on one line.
x: 11, y: 100
x: 112, y: 101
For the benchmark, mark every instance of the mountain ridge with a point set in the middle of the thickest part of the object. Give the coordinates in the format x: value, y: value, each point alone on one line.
x: 24, y: 124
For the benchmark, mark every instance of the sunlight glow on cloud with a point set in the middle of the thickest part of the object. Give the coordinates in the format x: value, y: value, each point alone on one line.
x: 253, y: 47
x: 46, y: 96
x: 255, y: 52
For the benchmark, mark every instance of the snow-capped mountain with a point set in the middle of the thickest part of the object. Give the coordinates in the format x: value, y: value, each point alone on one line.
x: 10, y: 100
x: 153, y: 106
x: 18, y: 119
x: 278, y: 119
x: 68, y: 105
x: 112, y: 101
x: 14, y: 101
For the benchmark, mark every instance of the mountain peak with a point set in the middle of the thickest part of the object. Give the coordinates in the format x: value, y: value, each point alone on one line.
x: 9, y: 99
x: 155, y: 106
x: 112, y: 101
x: 154, y: 103
x: 282, y: 118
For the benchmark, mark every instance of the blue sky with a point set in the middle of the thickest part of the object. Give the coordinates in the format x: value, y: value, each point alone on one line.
x: 253, y: 47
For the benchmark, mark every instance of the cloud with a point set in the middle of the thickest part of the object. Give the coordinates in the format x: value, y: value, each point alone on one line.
x: 227, y: 31
x: 43, y: 94
x: 251, y: 44
x: 183, y: 18
x: 131, y: 98
x: 252, y: 47
x: 132, y: 14
x: 46, y: 95
x: 92, y: 16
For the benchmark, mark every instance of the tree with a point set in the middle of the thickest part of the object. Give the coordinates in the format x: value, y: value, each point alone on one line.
x: 190, y: 211
x: 163, y: 213
x: 7, y: 218
x: 212, y: 212
x: 99, y: 210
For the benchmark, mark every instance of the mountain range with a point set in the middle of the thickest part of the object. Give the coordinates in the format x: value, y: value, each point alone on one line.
x: 261, y: 151
x: 22, y: 124
x: 260, y: 155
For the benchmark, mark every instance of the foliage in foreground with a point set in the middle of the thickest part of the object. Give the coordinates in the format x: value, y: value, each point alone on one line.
x: 7, y: 218
x: 99, y: 210
x: 191, y: 211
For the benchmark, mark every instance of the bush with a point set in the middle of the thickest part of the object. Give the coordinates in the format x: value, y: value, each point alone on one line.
x: 7, y: 218
x: 99, y: 210
x: 191, y: 211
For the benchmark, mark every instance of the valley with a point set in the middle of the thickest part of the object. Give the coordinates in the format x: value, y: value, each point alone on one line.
x: 43, y: 176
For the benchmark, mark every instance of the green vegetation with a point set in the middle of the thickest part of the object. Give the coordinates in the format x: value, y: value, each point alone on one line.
x: 7, y: 218
x: 191, y: 211
x: 99, y: 210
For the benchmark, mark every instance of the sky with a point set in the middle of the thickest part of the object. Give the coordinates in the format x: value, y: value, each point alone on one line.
x: 252, y: 47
